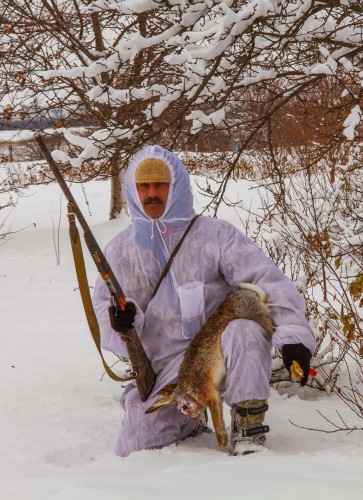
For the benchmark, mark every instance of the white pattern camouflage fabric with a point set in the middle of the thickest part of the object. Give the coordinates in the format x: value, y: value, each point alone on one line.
x: 214, y: 258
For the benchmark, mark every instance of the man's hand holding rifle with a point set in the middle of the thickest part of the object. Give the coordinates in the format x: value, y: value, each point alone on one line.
x: 123, y: 321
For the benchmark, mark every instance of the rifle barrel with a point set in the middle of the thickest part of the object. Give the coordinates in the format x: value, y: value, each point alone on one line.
x: 96, y: 252
x: 57, y: 174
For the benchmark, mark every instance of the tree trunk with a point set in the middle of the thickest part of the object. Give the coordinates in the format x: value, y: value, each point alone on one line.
x: 118, y: 199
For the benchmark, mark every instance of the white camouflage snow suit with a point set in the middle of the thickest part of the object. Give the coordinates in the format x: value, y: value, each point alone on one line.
x: 214, y: 258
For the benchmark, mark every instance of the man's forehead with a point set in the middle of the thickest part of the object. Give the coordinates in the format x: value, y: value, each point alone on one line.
x: 152, y: 170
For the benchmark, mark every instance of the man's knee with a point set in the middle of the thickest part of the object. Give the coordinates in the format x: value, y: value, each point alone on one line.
x: 245, y: 334
x: 247, y: 352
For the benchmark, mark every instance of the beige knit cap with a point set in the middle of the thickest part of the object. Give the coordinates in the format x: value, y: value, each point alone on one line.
x: 152, y: 170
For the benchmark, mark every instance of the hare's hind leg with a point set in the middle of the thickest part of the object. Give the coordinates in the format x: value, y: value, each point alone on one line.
x: 214, y: 401
x: 215, y: 407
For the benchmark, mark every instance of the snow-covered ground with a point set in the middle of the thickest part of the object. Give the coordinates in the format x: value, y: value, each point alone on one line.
x: 59, y: 416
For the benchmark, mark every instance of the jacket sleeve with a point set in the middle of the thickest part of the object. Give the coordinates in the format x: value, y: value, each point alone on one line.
x: 241, y: 261
x: 110, y: 340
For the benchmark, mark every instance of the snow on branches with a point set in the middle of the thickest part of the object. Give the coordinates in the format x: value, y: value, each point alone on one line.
x: 148, y: 66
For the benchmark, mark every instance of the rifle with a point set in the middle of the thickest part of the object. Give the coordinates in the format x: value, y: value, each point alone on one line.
x: 142, y: 370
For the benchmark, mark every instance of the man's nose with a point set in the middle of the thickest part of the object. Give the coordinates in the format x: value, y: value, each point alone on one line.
x: 153, y: 190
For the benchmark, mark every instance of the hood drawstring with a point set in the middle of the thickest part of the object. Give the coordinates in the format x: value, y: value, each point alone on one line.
x: 157, y: 222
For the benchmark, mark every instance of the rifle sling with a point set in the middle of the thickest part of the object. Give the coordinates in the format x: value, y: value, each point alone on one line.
x: 172, y: 256
x: 85, y: 293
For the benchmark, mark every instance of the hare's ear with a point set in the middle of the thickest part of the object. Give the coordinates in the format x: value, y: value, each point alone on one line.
x: 165, y: 401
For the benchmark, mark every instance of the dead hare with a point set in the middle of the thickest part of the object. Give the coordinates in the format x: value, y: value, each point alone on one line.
x: 203, y: 366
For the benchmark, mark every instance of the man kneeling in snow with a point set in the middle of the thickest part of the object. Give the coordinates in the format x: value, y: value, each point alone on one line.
x: 212, y: 261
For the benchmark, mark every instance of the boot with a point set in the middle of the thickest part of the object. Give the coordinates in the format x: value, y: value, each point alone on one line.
x: 247, y: 429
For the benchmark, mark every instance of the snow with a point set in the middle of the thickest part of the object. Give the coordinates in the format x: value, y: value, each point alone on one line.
x: 59, y: 420
x: 199, y: 118
x: 15, y: 135
x: 351, y: 122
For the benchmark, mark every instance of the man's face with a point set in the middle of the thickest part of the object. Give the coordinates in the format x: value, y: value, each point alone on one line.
x: 153, y: 196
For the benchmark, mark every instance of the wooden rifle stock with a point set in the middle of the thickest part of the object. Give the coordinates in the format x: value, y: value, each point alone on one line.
x: 141, y: 366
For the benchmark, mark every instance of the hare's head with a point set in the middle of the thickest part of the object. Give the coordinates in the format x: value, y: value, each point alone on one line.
x: 190, y: 406
x: 187, y: 404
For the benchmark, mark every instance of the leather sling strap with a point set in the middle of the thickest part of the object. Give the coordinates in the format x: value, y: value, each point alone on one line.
x: 85, y: 293
x: 172, y: 256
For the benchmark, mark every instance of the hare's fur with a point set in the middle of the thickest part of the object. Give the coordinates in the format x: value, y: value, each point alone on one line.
x: 203, y: 366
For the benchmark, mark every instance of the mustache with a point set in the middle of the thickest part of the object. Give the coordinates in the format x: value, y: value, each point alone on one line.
x: 153, y: 199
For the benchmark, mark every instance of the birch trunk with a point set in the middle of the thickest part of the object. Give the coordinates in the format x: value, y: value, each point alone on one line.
x: 118, y: 199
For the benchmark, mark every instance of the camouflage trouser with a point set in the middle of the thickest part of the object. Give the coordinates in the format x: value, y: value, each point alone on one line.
x: 247, y: 352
